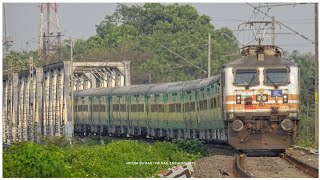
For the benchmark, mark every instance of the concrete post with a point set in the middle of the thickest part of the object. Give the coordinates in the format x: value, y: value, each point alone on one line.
x: 127, y: 75
x: 4, y: 110
x: 69, y: 128
x: 39, y: 103
x: 14, y: 112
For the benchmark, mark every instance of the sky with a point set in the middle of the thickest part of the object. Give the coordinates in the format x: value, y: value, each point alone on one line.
x: 78, y: 21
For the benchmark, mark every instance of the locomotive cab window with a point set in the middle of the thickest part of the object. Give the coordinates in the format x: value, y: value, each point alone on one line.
x: 276, y: 76
x: 246, y: 77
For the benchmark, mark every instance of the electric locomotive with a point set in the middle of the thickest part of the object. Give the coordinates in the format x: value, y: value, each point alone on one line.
x: 261, y: 99
x: 252, y: 105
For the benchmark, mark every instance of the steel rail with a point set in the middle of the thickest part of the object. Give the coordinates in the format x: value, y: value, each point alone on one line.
x: 239, y: 170
x: 310, y: 170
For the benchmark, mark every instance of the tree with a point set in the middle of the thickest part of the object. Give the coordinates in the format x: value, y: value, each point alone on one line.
x: 19, y: 61
x: 306, y: 64
x: 142, y: 32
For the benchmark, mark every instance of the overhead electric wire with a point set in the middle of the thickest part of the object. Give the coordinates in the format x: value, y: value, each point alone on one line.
x: 234, y: 39
x: 281, y: 4
x: 264, y: 17
x: 250, y: 42
x: 231, y: 38
x: 183, y: 58
x: 295, y: 44
x: 282, y: 24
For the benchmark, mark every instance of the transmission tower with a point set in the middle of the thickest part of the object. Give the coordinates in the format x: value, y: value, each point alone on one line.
x: 7, y: 41
x: 49, y: 44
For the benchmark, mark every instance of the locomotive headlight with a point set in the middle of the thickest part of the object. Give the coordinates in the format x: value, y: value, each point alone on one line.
x: 286, y: 124
x: 237, y: 125
x: 285, y: 98
x: 238, y: 99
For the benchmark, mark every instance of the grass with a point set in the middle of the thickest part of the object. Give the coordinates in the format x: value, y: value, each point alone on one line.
x: 115, y: 159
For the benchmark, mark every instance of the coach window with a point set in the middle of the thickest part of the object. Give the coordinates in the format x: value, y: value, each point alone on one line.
x: 279, y: 76
x: 246, y: 77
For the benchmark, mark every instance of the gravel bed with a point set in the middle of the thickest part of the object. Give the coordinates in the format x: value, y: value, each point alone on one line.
x: 220, y: 157
x: 272, y: 167
x: 306, y: 157
x: 208, y: 167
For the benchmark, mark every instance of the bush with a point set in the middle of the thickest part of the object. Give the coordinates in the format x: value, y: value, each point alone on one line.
x: 60, y: 141
x: 193, y: 146
x: 109, y: 160
x: 113, y: 160
x: 28, y: 159
x: 306, y: 142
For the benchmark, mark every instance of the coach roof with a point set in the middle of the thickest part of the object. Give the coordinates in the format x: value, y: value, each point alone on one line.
x: 149, y: 88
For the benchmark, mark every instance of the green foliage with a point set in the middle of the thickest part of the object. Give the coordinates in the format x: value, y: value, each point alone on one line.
x: 306, y: 135
x: 138, y: 34
x: 18, y: 61
x: 111, y: 160
x: 28, y: 159
x: 192, y: 146
x: 306, y: 64
x: 60, y: 141
x: 306, y: 141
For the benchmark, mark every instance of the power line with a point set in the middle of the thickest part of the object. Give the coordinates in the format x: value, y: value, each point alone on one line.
x: 281, y: 4
x: 226, y: 19
x: 296, y: 44
x: 183, y: 58
x: 296, y: 32
x: 297, y: 19
x: 224, y: 34
x: 283, y: 20
x: 299, y: 22
x: 250, y: 42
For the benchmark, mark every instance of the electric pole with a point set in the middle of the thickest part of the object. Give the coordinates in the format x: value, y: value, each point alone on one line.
x: 273, y: 32
x: 316, y: 114
x: 209, y: 54
x: 72, y: 82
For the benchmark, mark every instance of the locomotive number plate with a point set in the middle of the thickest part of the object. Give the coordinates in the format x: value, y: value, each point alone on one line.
x: 276, y: 93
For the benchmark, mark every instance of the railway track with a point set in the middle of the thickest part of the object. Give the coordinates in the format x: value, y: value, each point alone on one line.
x: 293, y: 167
x: 310, y: 170
x: 239, y: 170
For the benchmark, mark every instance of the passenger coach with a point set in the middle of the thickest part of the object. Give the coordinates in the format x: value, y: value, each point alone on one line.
x: 252, y: 105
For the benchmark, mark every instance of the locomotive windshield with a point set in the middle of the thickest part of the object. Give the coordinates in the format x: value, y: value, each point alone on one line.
x: 277, y: 76
x: 246, y: 77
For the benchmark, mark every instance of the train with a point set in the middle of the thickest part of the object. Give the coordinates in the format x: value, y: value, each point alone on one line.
x: 253, y: 104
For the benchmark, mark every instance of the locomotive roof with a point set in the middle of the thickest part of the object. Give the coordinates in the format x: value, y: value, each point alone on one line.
x: 269, y: 61
x: 150, y: 88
